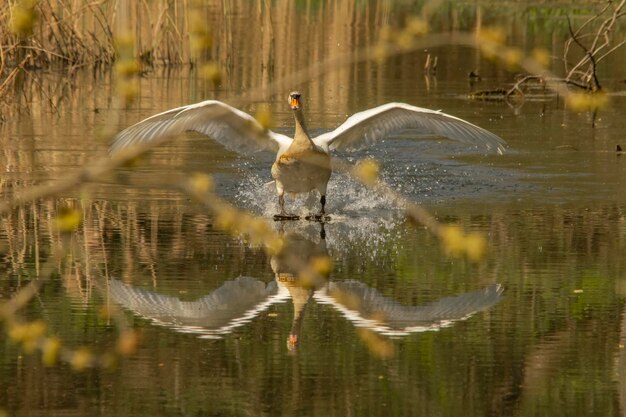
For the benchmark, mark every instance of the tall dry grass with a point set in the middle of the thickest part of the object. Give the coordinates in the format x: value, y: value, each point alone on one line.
x: 78, y: 32
x: 73, y: 34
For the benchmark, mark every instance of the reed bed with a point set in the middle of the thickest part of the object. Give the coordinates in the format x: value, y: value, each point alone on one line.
x: 77, y: 32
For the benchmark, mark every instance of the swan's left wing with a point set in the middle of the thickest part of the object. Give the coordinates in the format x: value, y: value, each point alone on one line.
x: 233, y: 128
x: 375, y: 124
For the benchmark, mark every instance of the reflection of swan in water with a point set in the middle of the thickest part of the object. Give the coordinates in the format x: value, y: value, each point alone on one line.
x: 299, y: 250
x: 238, y: 301
x: 303, y: 163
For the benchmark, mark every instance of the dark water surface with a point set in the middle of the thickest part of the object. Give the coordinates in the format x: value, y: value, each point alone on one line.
x: 392, y: 331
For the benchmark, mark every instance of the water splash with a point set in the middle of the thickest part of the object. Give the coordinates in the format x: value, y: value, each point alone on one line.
x: 361, y: 217
x: 358, y: 214
x: 346, y: 199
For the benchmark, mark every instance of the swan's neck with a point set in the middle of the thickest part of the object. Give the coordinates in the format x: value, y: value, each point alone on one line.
x: 301, y: 137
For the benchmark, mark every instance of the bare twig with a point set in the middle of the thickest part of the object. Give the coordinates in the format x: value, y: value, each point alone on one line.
x: 607, y: 53
x: 596, y: 84
x: 517, y: 86
x: 577, y: 34
x: 588, y: 79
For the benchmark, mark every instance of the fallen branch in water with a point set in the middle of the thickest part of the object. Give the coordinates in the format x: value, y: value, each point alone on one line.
x: 582, y: 75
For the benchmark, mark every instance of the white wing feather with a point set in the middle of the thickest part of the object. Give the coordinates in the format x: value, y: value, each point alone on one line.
x: 236, y: 130
x: 369, y: 126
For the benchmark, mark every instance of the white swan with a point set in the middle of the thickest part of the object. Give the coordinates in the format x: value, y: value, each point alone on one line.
x: 302, y: 163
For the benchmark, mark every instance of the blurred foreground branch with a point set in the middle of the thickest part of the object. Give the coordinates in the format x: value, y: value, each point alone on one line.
x: 236, y: 222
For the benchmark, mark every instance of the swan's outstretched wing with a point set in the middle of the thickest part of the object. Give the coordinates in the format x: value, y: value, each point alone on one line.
x: 234, y: 303
x: 373, y: 125
x: 368, y: 308
x: 236, y: 130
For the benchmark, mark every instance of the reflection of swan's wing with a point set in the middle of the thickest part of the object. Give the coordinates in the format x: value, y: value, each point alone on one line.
x: 236, y: 130
x: 234, y: 303
x: 368, y: 308
x: 369, y: 126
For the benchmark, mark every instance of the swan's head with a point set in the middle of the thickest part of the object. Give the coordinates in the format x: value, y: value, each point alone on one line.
x: 294, y: 100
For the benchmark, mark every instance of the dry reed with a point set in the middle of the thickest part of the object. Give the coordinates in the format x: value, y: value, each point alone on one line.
x: 78, y: 33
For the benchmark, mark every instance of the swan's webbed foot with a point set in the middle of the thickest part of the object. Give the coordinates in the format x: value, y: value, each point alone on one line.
x: 321, y: 217
x: 284, y: 215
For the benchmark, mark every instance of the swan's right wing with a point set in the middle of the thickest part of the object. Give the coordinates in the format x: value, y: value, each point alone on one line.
x: 233, y: 128
x: 233, y: 304
x: 368, y: 307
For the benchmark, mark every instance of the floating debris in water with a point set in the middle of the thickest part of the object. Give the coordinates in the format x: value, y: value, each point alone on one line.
x: 497, y: 94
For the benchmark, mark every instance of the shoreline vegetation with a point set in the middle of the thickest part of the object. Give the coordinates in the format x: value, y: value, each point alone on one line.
x: 39, y: 34
x: 135, y: 38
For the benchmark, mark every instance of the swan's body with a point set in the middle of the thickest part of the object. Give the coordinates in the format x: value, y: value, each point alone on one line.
x: 303, y: 163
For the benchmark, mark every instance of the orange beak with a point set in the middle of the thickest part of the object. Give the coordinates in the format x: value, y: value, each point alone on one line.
x: 295, y: 103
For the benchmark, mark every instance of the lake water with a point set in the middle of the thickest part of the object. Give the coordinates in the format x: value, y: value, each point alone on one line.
x: 536, y: 328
